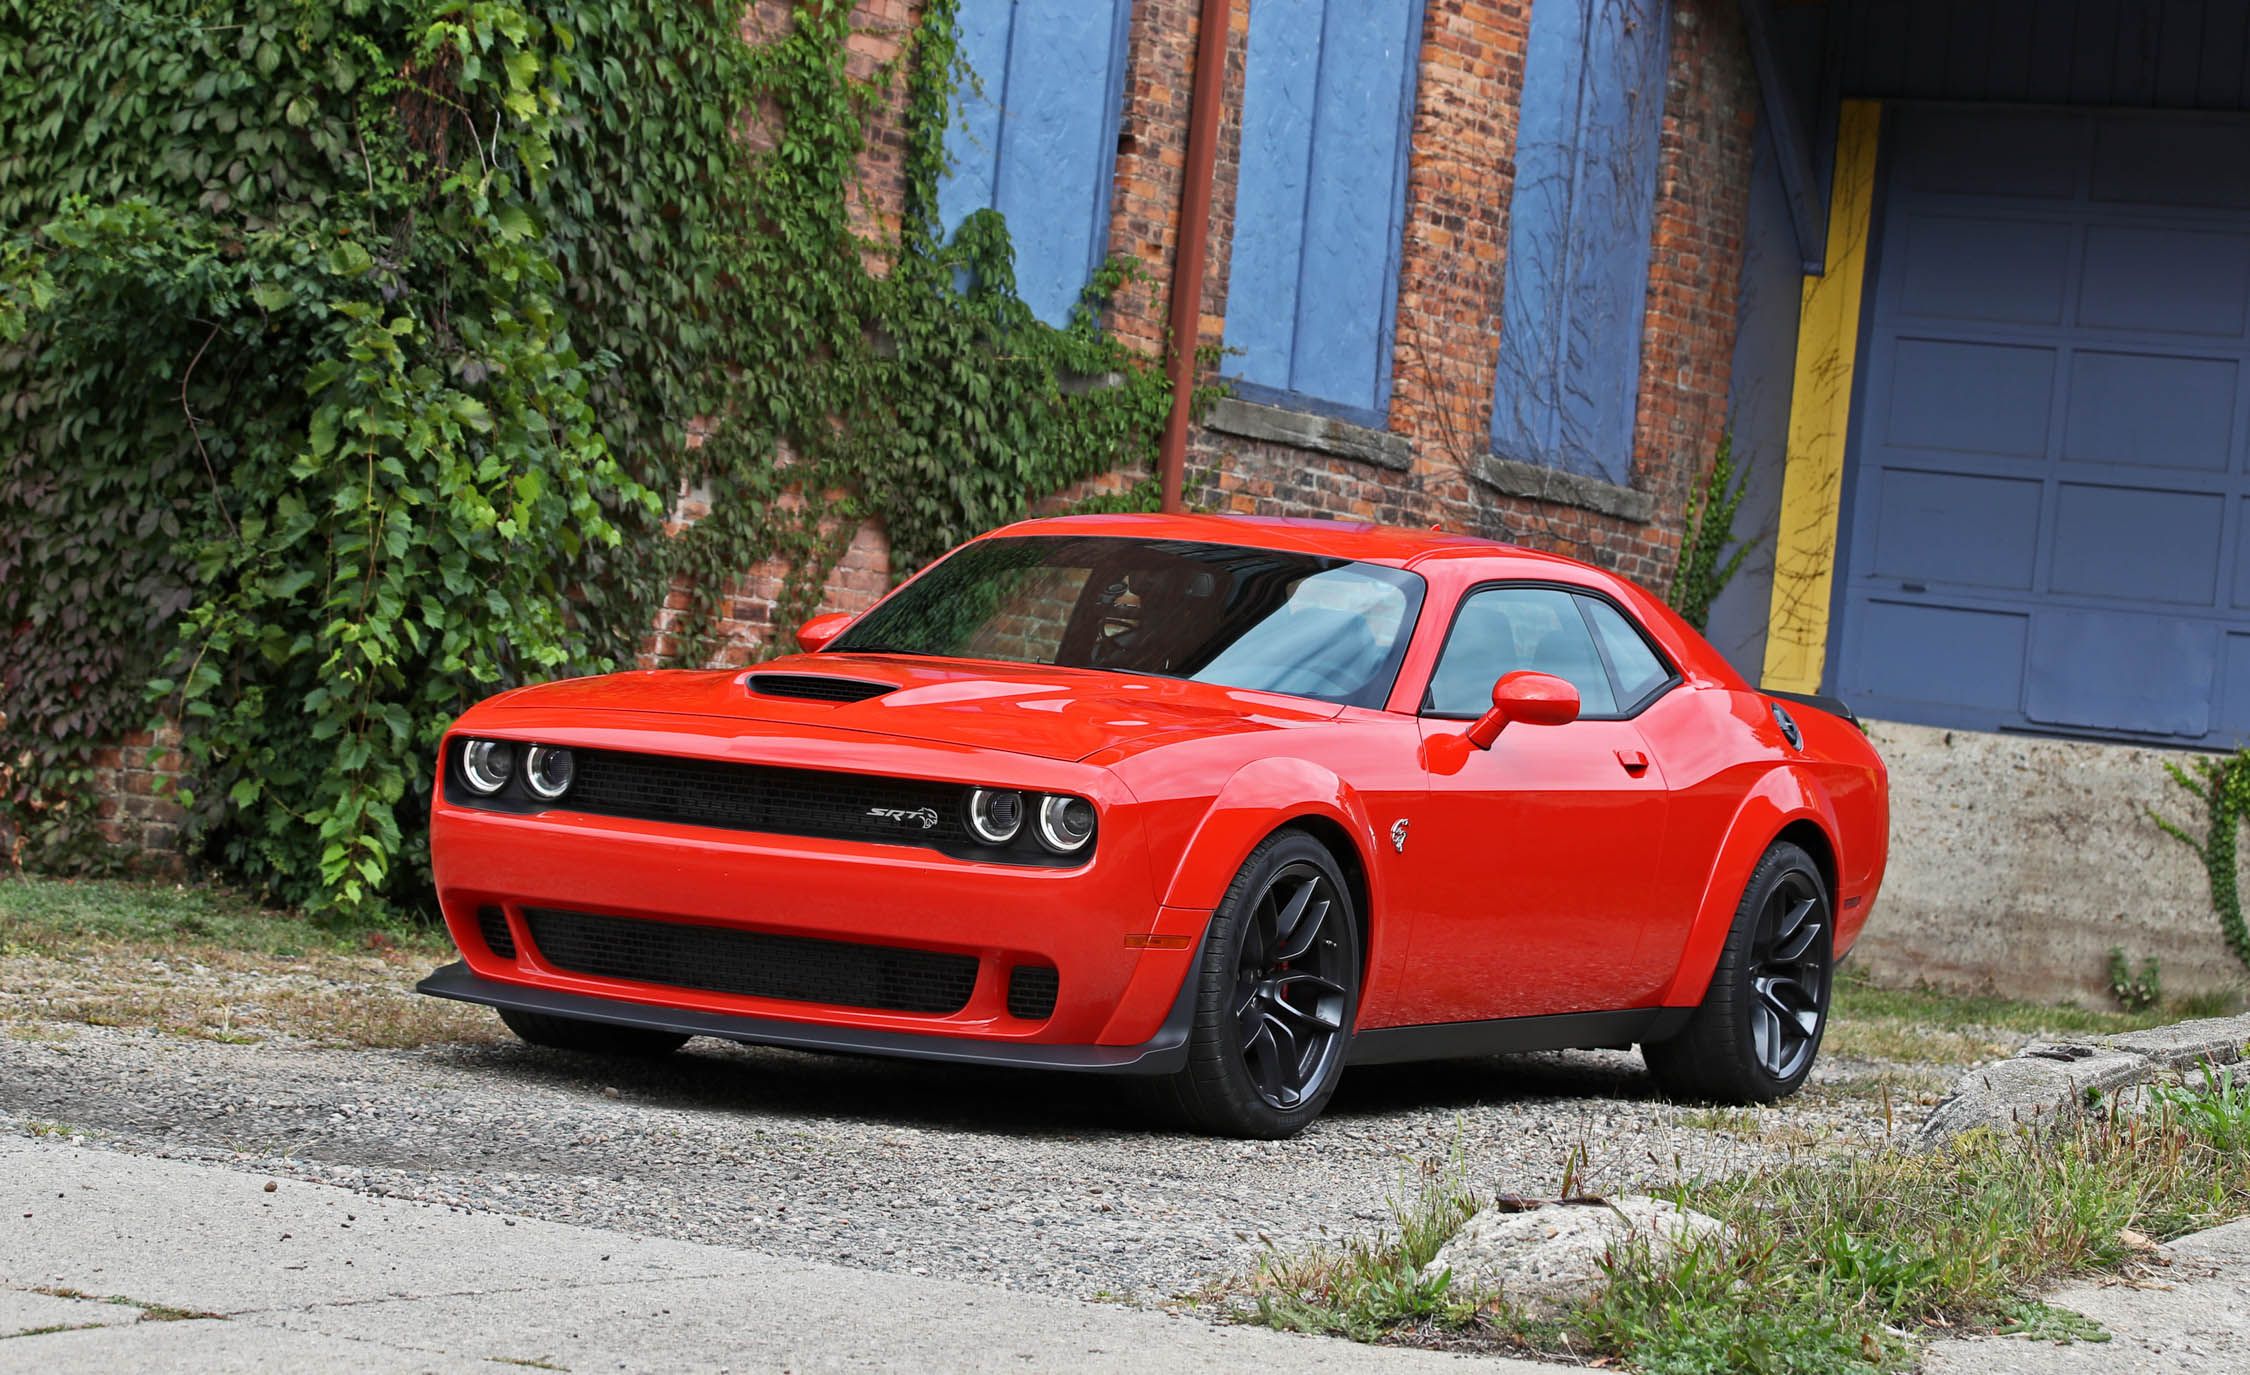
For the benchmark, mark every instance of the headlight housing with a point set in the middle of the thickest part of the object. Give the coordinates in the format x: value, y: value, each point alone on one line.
x: 1066, y: 824
x: 487, y: 765
x: 547, y: 771
x: 995, y: 814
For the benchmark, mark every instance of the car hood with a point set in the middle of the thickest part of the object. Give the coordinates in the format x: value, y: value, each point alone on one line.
x: 1051, y: 713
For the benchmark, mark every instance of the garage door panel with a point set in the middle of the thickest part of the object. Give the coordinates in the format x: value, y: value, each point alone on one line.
x: 1915, y: 653
x: 1957, y: 528
x: 2241, y: 564
x: 2051, y: 444
x: 2121, y: 671
x: 2033, y: 153
x: 2109, y: 418
x: 2234, y: 679
x: 2007, y: 271
x: 2177, y: 162
x: 1971, y: 398
x: 2164, y: 281
x: 2136, y: 544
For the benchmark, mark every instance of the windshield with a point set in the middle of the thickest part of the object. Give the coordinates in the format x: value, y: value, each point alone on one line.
x: 1214, y: 613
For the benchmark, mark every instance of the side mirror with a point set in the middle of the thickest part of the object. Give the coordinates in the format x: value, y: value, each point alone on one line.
x: 1536, y: 699
x: 814, y: 635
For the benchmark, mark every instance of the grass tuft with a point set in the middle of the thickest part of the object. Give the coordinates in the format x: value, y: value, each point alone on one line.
x: 210, y: 964
x: 1366, y: 1289
x: 1828, y: 1265
x: 47, y: 916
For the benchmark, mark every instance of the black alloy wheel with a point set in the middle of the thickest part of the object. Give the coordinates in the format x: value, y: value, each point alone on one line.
x: 1290, y: 999
x: 1279, y: 987
x: 1755, y: 1035
x: 1791, y: 975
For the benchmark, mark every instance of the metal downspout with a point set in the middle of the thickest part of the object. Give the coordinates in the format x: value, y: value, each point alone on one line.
x: 1186, y: 312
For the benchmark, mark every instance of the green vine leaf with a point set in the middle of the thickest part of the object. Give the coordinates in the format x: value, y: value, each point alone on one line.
x: 393, y: 328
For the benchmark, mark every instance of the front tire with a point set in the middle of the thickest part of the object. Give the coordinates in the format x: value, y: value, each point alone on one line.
x: 590, y: 1038
x: 1759, y: 1028
x: 1277, y: 992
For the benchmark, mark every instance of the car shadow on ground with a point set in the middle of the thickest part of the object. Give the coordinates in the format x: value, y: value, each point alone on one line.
x: 715, y: 1077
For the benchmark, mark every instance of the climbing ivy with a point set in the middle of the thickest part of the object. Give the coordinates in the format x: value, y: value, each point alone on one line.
x: 1709, y: 553
x: 2222, y: 784
x: 354, y: 352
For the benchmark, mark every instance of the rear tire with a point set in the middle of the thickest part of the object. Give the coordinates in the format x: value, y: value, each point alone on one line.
x: 1277, y: 990
x: 590, y: 1038
x: 1759, y: 1028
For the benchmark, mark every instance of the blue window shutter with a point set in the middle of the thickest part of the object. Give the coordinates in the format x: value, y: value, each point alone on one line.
x: 1576, y: 288
x: 1039, y: 142
x: 1312, y: 283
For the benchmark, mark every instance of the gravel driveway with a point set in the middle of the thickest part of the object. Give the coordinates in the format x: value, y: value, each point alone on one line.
x: 1045, y: 1183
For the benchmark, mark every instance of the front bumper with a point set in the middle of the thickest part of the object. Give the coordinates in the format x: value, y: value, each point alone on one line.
x: 1121, y: 957
x: 1164, y: 1053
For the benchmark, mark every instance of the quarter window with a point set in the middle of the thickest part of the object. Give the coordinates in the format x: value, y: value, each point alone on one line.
x: 1639, y: 672
x: 1504, y: 630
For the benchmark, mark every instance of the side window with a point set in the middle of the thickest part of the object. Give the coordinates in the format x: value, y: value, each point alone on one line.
x: 1506, y: 629
x: 1639, y: 672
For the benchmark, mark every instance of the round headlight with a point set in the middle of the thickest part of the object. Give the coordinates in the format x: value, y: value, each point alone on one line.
x: 547, y: 771
x: 487, y: 765
x: 995, y: 814
x: 1065, y: 823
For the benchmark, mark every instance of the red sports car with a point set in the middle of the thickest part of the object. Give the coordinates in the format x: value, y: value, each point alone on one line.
x: 1229, y: 804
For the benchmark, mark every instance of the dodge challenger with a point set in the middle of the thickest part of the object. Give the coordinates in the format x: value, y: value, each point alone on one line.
x: 1226, y: 804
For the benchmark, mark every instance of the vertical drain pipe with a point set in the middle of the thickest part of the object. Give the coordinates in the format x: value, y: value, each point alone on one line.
x: 1204, y: 100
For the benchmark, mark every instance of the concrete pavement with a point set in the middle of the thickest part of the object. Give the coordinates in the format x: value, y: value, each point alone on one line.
x: 119, y: 1262
x: 2188, y: 1314
x: 115, y: 1262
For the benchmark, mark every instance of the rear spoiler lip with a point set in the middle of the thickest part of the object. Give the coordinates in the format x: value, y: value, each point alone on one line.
x: 1834, y: 706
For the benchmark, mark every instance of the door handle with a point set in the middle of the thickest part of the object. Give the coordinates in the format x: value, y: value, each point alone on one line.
x: 1635, y: 761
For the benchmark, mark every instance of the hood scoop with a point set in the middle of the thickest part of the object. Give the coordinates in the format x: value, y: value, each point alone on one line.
x: 814, y: 687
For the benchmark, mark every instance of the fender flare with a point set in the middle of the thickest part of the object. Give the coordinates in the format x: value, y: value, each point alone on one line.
x: 1782, y: 798
x: 1262, y: 797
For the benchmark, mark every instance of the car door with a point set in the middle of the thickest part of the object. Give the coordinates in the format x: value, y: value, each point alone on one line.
x: 1538, y: 856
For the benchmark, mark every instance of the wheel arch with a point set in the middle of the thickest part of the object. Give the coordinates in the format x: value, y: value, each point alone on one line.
x: 1341, y: 848
x: 1270, y: 795
x: 1806, y: 834
x: 1785, y: 804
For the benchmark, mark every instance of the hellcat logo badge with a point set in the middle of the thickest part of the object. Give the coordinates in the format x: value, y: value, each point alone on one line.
x: 923, y: 815
x: 1398, y: 835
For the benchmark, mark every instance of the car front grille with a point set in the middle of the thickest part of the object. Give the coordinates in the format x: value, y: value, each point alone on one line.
x: 764, y: 797
x: 1031, y: 991
x: 717, y: 959
x: 492, y: 924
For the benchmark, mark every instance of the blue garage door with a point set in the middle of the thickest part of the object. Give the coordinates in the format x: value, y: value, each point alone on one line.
x: 2050, y: 452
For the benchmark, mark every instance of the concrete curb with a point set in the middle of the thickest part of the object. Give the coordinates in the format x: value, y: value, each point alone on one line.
x: 2049, y: 1083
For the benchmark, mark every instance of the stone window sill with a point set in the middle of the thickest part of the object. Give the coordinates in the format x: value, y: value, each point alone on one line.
x: 1510, y: 477
x: 1304, y: 430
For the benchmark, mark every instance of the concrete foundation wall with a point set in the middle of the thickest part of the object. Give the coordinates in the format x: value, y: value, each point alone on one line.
x: 2018, y: 862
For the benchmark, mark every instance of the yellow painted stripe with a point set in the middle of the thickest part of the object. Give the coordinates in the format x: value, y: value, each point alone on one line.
x: 1820, y: 404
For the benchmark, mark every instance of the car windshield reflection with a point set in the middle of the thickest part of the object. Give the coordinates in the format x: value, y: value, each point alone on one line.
x: 1270, y: 620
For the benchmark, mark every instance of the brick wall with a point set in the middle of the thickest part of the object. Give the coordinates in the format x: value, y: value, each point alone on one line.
x: 1460, y: 176
x: 137, y: 815
x: 1452, y: 261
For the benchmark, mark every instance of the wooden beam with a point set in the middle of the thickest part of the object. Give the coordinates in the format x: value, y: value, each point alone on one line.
x: 1820, y: 407
x: 1785, y: 125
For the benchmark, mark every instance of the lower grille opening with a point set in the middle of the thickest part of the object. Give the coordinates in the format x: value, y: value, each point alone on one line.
x: 1031, y: 991
x: 753, y: 964
x: 492, y: 924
